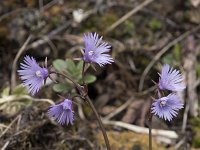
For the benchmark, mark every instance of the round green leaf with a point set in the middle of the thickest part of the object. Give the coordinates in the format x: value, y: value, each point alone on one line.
x: 60, y: 64
x: 89, y: 78
x: 60, y: 87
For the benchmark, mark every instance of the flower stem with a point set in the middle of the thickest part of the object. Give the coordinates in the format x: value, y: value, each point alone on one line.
x: 150, y: 126
x: 83, y: 72
x: 150, y: 133
x: 85, y: 96
x: 66, y: 76
x: 100, y: 122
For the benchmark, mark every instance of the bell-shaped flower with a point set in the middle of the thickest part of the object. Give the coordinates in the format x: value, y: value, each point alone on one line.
x: 62, y: 112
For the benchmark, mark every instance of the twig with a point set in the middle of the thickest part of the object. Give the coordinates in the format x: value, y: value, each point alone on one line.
x: 143, y: 130
x: 190, y: 65
x: 41, y: 6
x: 18, y: 123
x: 119, y: 109
x: 50, y: 4
x: 8, y: 14
x: 61, y: 28
x: 162, y: 51
x: 129, y: 14
x: 181, y: 142
x: 147, y: 91
x: 81, y: 139
x: 52, y: 45
x: 196, y: 83
x: 14, y: 65
x: 160, y: 17
x: 80, y: 111
x: 3, y: 125
x: 47, y: 39
x: 100, y: 123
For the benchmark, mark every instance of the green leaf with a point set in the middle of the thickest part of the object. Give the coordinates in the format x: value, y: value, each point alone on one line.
x: 155, y: 24
x: 80, y: 66
x: 177, y: 52
x: 129, y: 27
x: 168, y: 59
x: 71, y: 67
x: 70, y: 63
x: 19, y: 90
x: 5, y: 92
x: 60, y: 64
x: 89, y: 78
x: 61, y: 87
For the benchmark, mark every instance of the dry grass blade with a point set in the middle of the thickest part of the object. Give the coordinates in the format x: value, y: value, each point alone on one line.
x: 14, y: 66
x: 8, y: 127
x: 155, y: 132
x: 5, y: 145
x: 22, y: 97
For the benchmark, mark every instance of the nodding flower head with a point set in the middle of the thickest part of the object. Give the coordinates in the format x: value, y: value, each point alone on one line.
x: 62, y: 112
x: 171, y: 79
x: 95, y: 49
x: 167, y: 107
x: 32, y: 74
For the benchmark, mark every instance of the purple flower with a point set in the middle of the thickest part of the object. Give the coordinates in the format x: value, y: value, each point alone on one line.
x: 167, y: 107
x: 95, y: 49
x: 62, y: 112
x: 170, y: 79
x: 32, y: 74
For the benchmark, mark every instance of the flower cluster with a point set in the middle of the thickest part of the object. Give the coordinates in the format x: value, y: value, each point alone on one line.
x: 166, y: 107
x: 34, y: 76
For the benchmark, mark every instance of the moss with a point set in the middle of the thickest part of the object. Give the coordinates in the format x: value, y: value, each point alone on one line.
x: 195, y: 121
x: 128, y: 28
x: 196, y: 129
x: 127, y: 140
x: 177, y: 52
x: 143, y: 61
x: 99, y: 23
x: 196, y: 141
x: 155, y: 24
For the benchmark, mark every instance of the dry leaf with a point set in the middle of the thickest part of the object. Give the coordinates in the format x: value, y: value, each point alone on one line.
x: 194, y: 15
x: 195, y: 3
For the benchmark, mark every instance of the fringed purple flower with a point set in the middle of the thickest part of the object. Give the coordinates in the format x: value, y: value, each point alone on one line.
x: 62, y: 112
x: 95, y: 49
x: 32, y: 74
x: 167, y: 107
x: 171, y: 79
